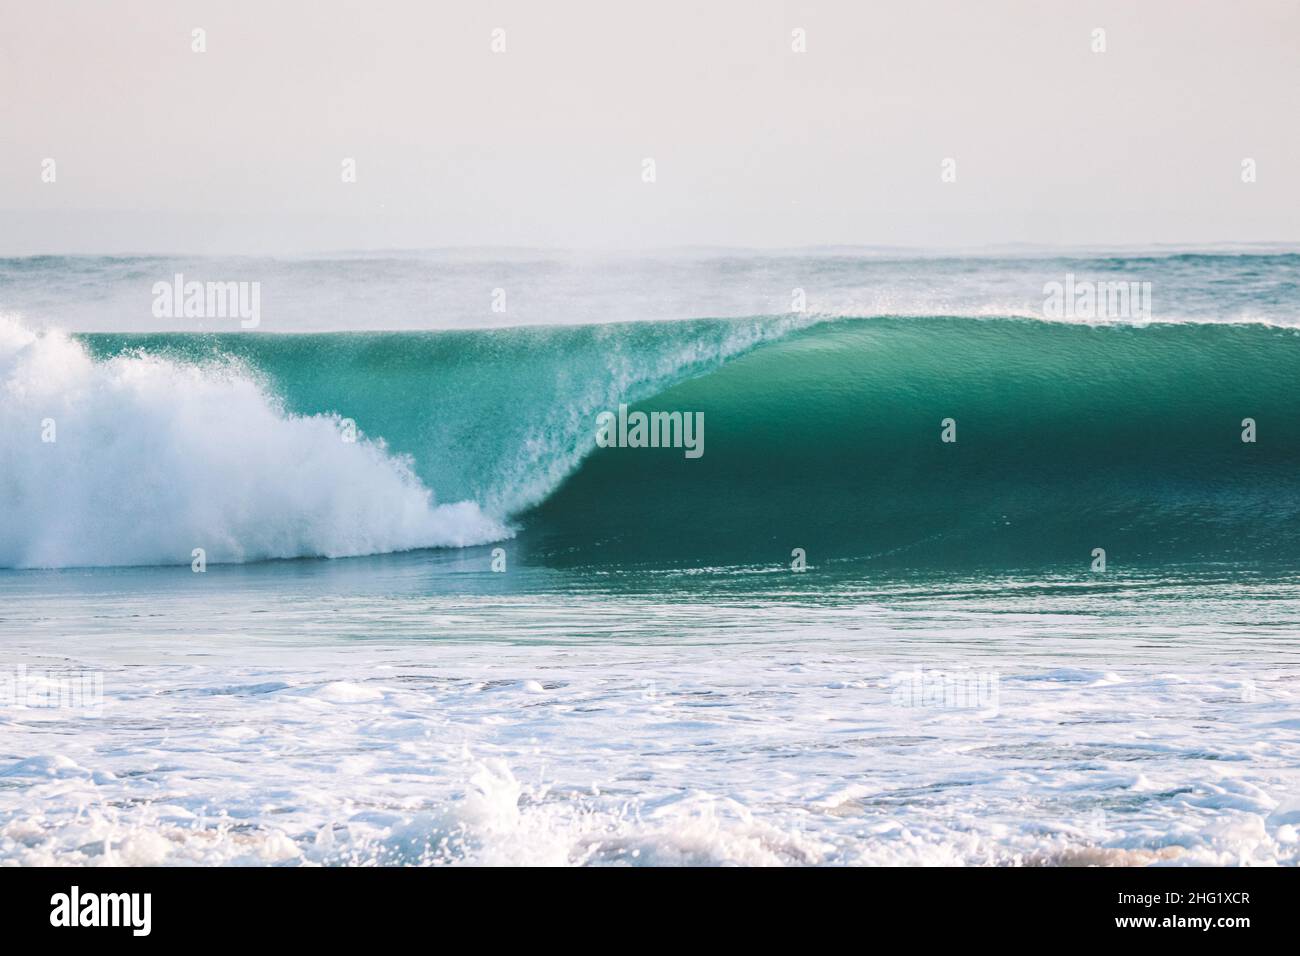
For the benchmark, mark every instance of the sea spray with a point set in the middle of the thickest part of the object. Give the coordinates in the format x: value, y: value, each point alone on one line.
x: 154, y: 457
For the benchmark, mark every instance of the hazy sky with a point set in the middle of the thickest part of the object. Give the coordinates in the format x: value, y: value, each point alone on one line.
x: 240, y: 148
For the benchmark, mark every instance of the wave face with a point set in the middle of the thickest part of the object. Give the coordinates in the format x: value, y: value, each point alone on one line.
x: 153, y: 457
x: 822, y: 435
x: 1069, y: 438
x: 232, y: 443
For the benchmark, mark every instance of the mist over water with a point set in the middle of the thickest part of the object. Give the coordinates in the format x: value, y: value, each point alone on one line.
x: 454, y: 289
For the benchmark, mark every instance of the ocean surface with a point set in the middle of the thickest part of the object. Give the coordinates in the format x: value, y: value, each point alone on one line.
x: 433, y: 622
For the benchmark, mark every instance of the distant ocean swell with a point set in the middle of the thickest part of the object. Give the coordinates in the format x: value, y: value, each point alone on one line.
x: 823, y: 435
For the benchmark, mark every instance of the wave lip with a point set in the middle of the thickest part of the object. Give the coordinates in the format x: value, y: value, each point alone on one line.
x: 151, y: 458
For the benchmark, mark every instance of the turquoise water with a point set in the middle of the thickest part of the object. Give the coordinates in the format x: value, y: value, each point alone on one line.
x: 471, y: 635
x: 1069, y: 437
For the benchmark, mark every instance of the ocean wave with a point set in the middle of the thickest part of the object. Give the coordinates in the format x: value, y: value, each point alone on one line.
x: 822, y: 433
x: 140, y: 459
x: 1067, y: 438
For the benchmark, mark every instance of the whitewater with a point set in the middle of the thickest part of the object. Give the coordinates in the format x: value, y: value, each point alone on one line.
x: 150, y: 456
x: 471, y: 636
x: 1148, y: 721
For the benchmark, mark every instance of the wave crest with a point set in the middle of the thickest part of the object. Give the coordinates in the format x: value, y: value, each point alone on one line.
x: 154, y: 457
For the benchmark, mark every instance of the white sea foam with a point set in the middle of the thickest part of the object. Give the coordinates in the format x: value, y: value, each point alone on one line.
x: 415, y: 727
x: 153, y: 458
x: 560, y: 729
x: 596, y: 770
